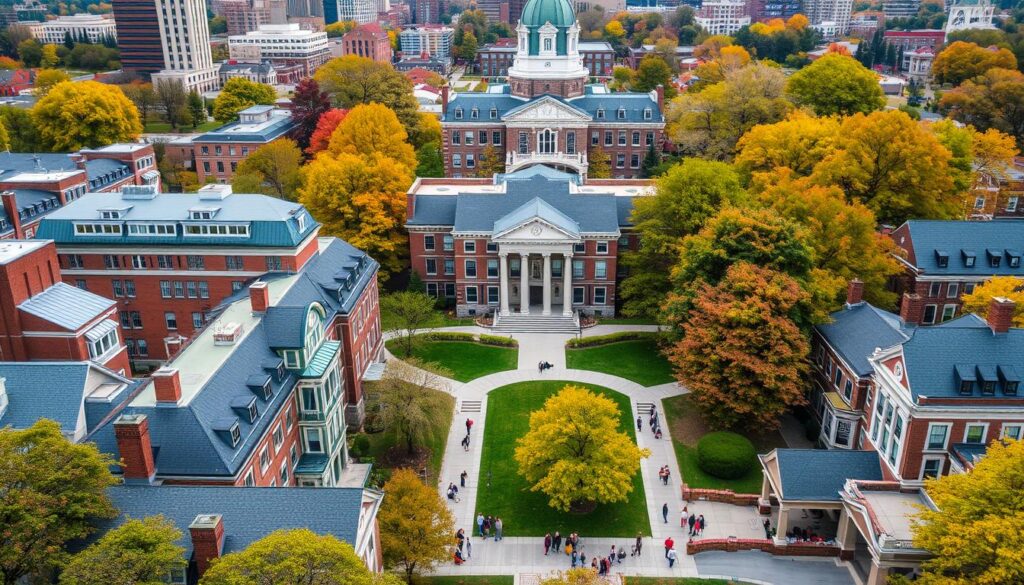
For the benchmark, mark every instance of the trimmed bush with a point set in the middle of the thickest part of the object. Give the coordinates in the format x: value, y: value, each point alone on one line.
x: 725, y: 455
x: 498, y: 340
x: 448, y: 336
x: 610, y: 338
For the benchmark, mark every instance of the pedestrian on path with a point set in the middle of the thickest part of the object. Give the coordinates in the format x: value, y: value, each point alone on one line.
x: 691, y: 521
x: 465, y: 442
x: 700, y: 525
x: 547, y: 543
x: 575, y: 558
x: 469, y: 548
x: 480, y: 523
x: 556, y: 542
x: 664, y: 512
x: 540, y: 367
x: 669, y: 543
x: 613, y: 555
x: 462, y: 479
x: 671, y: 557
x: 583, y: 557
x: 469, y: 425
x: 683, y: 517
x: 622, y: 554
x: 498, y: 526
x: 639, y: 424
x: 639, y: 544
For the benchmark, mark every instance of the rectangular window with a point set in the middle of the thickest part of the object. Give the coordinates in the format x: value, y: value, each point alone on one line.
x: 932, y: 468
x: 469, y: 138
x: 622, y: 138
x: 118, y: 288
x: 171, y: 320
x: 636, y: 139
x: 1011, y: 203
x: 449, y: 266
x: 599, y: 295
x: 192, y: 291
x: 838, y: 377
x: 164, y: 262
x: 204, y: 289
x: 577, y: 269
x: 470, y: 268
x: 456, y: 160
x: 273, y: 262
x: 492, y: 268
x: 470, y: 161
x: 482, y: 137
x: 496, y: 138
x: 471, y: 294
x: 570, y: 143
x: 933, y: 289
x: 595, y: 138
x: 607, y: 137
x: 952, y: 290
x: 948, y: 312
x: 73, y: 260
x: 179, y: 289
x: 620, y: 161
x: 1012, y: 432
x: 142, y: 347
x: 556, y: 268
x: 600, y: 269
x: 578, y: 295
x: 514, y: 266
x: 428, y: 243
x: 602, y: 247
x: 456, y: 137
x: 278, y: 437
x: 492, y: 295
x: 650, y: 139
x: 492, y: 248
x: 524, y: 143
x: 848, y: 390
x: 165, y: 289
x: 469, y: 246
x: 634, y: 161
x: 929, y: 314
x: 974, y: 434
x: 138, y: 262
x: 196, y: 262
x: 447, y: 243
x: 431, y: 264
x: 110, y: 261
x: 234, y: 263
x: 312, y: 439
x: 937, y: 435
x: 197, y: 320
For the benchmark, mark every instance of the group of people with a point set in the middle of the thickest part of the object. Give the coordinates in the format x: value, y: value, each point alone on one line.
x: 453, y: 490
x: 654, y: 422
x: 463, y: 547
x: 553, y: 544
x: 670, y: 551
x: 465, y: 440
x: 803, y: 535
x: 541, y: 366
x: 664, y: 474
x: 694, y: 522
x: 487, y: 524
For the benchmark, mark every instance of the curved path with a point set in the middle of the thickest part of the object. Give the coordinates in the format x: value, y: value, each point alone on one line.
x: 519, y: 555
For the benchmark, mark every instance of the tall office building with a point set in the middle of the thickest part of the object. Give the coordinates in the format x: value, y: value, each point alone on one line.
x: 427, y: 11
x: 901, y: 8
x: 185, y: 40
x: 138, y: 36
x: 830, y: 17
x: 506, y: 11
x: 361, y: 11
x: 305, y: 8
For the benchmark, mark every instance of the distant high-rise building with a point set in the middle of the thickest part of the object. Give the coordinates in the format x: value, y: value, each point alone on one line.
x: 831, y: 17
x: 244, y: 16
x: 427, y: 11
x: 305, y: 8
x: 138, y: 36
x: 764, y: 10
x: 901, y: 8
x: 506, y: 11
x: 434, y: 40
x: 185, y: 40
x: 361, y: 11
x: 723, y: 17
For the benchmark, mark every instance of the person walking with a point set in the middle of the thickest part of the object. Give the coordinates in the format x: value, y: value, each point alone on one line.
x: 469, y: 425
x: 701, y: 525
x: 462, y: 479
x: 639, y: 543
x: 613, y: 555
x: 683, y: 517
x: 669, y: 543
x: 540, y: 367
x: 556, y: 542
x: 547, y: 543
x: 498, y: 526
x: 664, y: 512
x: 639, y: 424
x: 575, y: 558
x: 671, y: 556
x: 469, y: 548
x: 465, y: 443
x: 480, y: 523
x: 690, y: 522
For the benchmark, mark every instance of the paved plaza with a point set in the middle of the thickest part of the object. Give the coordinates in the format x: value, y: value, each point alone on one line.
x: 516, y: 555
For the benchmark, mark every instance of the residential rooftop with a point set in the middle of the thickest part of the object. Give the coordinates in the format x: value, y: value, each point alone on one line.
x: 964, y: 248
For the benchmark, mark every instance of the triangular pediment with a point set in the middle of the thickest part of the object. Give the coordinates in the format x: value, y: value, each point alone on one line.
x: 536, y: 220
x: 536, y: 230
x: 547, y: 109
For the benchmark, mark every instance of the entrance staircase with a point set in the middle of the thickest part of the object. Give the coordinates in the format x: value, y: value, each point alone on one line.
x: 518, y: 323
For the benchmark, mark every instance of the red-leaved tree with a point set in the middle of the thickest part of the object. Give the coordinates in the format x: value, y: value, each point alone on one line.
x: 325, y: 127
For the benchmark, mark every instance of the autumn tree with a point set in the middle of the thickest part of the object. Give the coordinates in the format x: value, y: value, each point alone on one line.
x: 576, y: 453
x: 51, y: 491
x: 21, y: 129
x: 837, y: 84
x: 685, y: 197
x: 652, y: 72
x: 427, y: 129
x: 411, y: 311
x: 354, y: 80
x: 991, y: 100
x: 47, y: 78
x: 294, y: 556
x: 975, y: 157
x: 581, y: 576
x: 85, y: 114
x: 797, y: 143
x: 361, y: 199
x: 491, y: 162
x: 238, y: 94
x: 308, y: 105
x: 727, y: 59
x: 599, y: 165
x: 741, y: 354
x: 143, y: 96
x: 372, y: 129
x: 998, y: 286
x: 273, y: 169
x: 172, y: 97
x: 142, y: 552
x: 429, y: 161
x: 325, y: 127
x: 961, y: 61
x: 975, y: 533
x: 416, y: 526
x: 408, y: 400
x: 5, y: 137
x: 893, y: 165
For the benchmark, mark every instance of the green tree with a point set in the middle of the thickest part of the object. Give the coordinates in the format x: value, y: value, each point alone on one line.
x: 51, y: 491
x: 76, y: 115
x: 416, y: 526
x: 294, y: 556
x: 273, y: 169
x: 5, y: 137
x: 406, y: 401
x: 354, y: 80
x: 741, y: 354
x: 143, y: 96
x: 411, y: 312
x: 467, y: 50
x: 21, y: 129
x: 652, y: 72
x: 837, y: 84
x: 685, y: 197
x: 196, y: 108
x: 141, y: 552
x: 173, y: 100
x: 429, y: 162
x: 30, y: 51
x: 599, y: 165
x: 218, y: 25
x: 491, y: 162
x: 238, y: 94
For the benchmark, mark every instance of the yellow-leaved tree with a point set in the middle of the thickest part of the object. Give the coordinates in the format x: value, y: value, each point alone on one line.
x: 576, y: 453
x: 798, y: 143
x: 977, y: 533
x: 416, y: 527
x: 372, y: 129
x: 77, y: 115
x: 998, y: 286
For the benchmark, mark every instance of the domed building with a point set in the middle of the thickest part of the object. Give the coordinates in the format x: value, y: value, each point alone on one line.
x: 547, y: 113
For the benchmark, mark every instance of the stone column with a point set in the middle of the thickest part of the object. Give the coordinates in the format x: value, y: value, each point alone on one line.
x: 567, y: 284
x: 503, y: 281
x: 782, y: 526
x: 524, y: 284
x: 547, y: 284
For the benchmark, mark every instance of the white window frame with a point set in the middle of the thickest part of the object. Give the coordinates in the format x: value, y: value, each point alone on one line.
x: 924, y: 465
x: 465, y: 268
x: 945, y: 442
x: 476, y: 295
x: 583, y: 297
x: 935, y: 314
x: 264, y: 452
x: 278, y: 441
x: 984, y: 433
x: 952, y: 290
x: 250, y: 479
x: 952, y: 313
x: 469, y: 246
x: 603, y: 295
x: 601, y: 243
x: 1020, y: 430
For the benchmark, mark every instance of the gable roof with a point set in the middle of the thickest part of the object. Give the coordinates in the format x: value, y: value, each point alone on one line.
x: 855, y: 331
x: 67, y: 306
x: 958, y: 239
x: 537, y: 208
x: 819, y: 475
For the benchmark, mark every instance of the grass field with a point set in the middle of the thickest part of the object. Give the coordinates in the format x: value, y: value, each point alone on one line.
x: 526, y: 513
x: 639, y: 360
x: 464, y: 360
x: 164, y: 127
x: 441, y: 412
x: 388, y: 321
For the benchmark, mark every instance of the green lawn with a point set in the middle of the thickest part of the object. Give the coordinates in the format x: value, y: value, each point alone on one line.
x: 526, y: 513
x: 638, y: 360
x: 164, y: 127
x: 686, y: 427
x: 442, y: 410
x: 388, y: 322
x: 466, y: 580
x: 464, y: 360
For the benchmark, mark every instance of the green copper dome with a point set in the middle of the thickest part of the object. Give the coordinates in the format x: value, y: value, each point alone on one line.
x: 537, y: 13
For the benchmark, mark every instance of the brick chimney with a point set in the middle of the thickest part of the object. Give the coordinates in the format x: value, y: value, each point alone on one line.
x: 259, y: 297
x: 444, y: 99
x: 1000, y: 314
x: 79, y: 160
x: 660, y: 89
x: 207, y: 532
x: 854, y: 292
x: 167, y: 384
x: 132, y: 434
x: 11, y: 207
x: 911, y: 308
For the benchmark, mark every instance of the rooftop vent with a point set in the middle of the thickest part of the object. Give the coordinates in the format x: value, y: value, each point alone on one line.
x: 227, y: 333
x: 138, y: 192
x: 214, y: 192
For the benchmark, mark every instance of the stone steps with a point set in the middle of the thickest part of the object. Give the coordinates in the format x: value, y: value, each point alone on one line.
x: 536, y: 324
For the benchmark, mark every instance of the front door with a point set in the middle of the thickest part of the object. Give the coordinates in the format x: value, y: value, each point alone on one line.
x: 536, y: 295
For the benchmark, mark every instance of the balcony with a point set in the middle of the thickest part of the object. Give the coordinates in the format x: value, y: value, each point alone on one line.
x: 576, y: 161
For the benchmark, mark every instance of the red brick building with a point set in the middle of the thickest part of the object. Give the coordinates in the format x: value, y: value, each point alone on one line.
x: 217, y: 153
x: 169, y: 259
x: 368, y: 40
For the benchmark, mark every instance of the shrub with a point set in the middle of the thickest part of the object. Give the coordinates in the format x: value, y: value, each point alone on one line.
x: 448, y: 336
x: 360, y: 446
x: 498, y: 340
x: 611, y: 338
x: 725, y: 455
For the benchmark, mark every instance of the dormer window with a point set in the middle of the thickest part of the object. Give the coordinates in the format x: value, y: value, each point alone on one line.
x: 474, y: 114
x: 995, y: 258
x: 245, y: 406
x: 1009, y: 378
x: 969, y: 258
x: 300, y: 220
x: 621, y: 114
x: 494, y: 113
x: 253, y: 411
x: 966, y: 387
x: 941, y: 259
x: 236, y: 435
x: 647, y: 113
x: 1013, y: 259
x: 202, y: 214
x: 458, y: 113
x: 600, y: 113
x: 112, y: 213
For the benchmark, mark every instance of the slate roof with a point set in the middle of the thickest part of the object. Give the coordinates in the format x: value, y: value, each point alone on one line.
x: 540, y: 209
x: 12, y: 163
x: 67, y: 306
x: 248, y: 513
x: 819, y: 475
x: 32, y: 204
x: 285, y: 326
x: 856, y: 331
x: 500, y: 97
x: 259, y: 133
x: 956, y: 237
x: 105, y: 171
x: 326, y: 278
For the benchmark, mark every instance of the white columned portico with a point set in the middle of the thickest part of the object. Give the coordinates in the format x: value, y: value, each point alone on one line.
x: 524, y: 283
x: 503, y: 282
x: 567, y: 284
x: 547, y: 284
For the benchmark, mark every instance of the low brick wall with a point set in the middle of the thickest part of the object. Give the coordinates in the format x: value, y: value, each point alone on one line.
x: 737, y: 544
x: 726, y: 496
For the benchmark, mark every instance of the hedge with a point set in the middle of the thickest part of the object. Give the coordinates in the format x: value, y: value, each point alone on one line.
x: 469, y: 337
x: 611, y: 338
x: 498, y: 340
x: 725, y: 455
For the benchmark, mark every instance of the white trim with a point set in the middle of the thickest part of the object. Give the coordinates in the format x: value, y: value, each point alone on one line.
x: 175, y: 249
x: 148, y: 272
x: 984, y: 433
x: 945, y: 443
x: 942, y: 463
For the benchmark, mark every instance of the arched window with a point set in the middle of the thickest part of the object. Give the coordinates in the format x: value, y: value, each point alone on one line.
x: 547, y: 44
x: 546, y: 141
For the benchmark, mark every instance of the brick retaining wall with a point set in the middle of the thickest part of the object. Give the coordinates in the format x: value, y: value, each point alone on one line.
x: 737, y: 544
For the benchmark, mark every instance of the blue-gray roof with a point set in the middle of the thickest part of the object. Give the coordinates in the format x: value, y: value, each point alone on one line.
x: 272, y: 222
x: 106, y: 171
x: 336, y: 277
x: 961, y: 239
x: 12, y: 163
x: 67, y: 306
x: 969, y: 452
x: 819, y: 475
x: 540, y: 209
x: 260, y: 133
x: 55, y: 391
x: 499, y: 97
x: 856, y: 331
x: 286, y: 326
x: 32, y: 204
x: 248, y: 513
